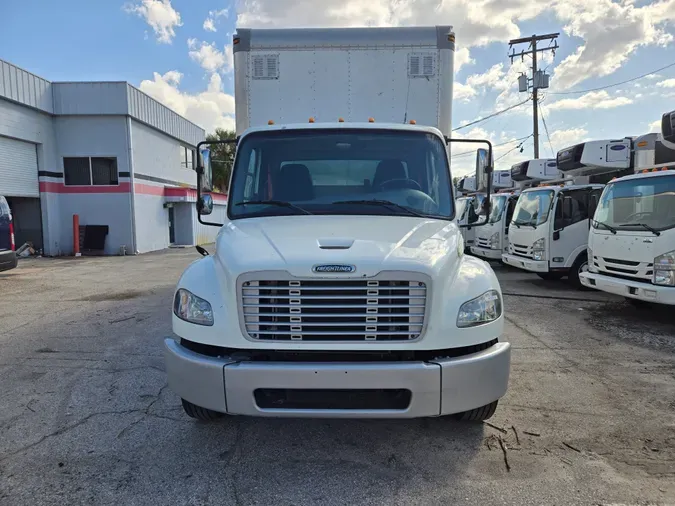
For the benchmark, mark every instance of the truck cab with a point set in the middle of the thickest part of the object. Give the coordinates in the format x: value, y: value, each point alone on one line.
x: 632, y: 240
x: 339, y: 286
x: 549, y: 230
x: 471, y: 207
x: 492, y: 240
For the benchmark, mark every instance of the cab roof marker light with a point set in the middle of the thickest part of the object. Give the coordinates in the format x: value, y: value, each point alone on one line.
x: 413, y: 122
x: 270, y: 122
x: 311, y: 120
x: 371, y: 120
x: 341, y: 120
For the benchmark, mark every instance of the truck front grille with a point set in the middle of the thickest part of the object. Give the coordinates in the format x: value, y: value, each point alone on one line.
x: 624, y: 269
x: 522, y: 250
x: 333, y: 310
x: 483, y: 242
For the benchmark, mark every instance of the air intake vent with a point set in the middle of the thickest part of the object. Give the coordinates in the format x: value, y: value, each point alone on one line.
x: 265, y: 66
x: 421, y: 65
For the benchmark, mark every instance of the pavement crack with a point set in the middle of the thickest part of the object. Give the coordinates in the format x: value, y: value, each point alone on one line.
x: 65, y: 429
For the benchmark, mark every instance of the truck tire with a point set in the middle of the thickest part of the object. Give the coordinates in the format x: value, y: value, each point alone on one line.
x: 550, y: 276
x: 478, y: 414
x: 580, y: 265
x: 200, y: 413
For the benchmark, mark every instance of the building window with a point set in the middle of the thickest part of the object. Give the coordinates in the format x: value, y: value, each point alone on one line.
x: 90, y: 171
x: 187, y: 157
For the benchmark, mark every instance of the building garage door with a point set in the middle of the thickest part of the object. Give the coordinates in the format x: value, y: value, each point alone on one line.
x: 18, y: 168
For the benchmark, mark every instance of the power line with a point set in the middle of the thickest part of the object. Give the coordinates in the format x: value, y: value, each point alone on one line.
x: 491, y: 115
x: 613, y: 85
x: 494, y: 146
x: 548, y: 137
x: 513, y: 149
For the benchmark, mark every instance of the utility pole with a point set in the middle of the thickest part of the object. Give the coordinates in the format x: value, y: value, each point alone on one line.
x: 538, y: 79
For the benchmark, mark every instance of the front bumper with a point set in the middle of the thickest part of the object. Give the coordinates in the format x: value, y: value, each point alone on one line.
x: 626, y: 288
x: 8, y: 260
x: 441, y: 387
x: 525, y: 263
x: 492, y: 254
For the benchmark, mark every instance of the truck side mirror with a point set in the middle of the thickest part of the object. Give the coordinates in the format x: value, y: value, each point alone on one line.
x: 204, y: 170
x: 205, y: 204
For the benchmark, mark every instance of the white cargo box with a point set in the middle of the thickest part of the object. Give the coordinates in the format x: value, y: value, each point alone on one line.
x: 393, y: 75
x: 595, y: 157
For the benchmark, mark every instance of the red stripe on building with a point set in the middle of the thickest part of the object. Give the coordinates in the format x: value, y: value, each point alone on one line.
x: 51, y: 187
x: 140, y: 188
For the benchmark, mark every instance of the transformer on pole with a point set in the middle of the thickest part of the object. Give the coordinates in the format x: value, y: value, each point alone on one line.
x: 539, y: 79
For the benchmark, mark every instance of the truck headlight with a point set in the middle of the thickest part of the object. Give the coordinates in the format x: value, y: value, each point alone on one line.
x: 494, y: 241
x: 482, y: 309
x: 591, y: 261
x: 538, y: 251
x: 187, y: 306
x: 664, y: 269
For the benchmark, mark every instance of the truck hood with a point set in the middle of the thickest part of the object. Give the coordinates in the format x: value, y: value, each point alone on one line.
x: 635, y: 246
x: 370, y: 243
x: 526, y: 235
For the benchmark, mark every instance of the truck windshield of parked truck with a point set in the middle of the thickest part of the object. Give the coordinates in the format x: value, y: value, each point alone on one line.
x: 533, y: 208
x: 646, y: 203
x: 341, y: 171
x: 498, y: 205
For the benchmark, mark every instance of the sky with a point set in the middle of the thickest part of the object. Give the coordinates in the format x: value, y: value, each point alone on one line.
x: 179, y: 52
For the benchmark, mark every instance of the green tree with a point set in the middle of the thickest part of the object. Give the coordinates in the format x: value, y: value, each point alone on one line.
x: 222, y: 158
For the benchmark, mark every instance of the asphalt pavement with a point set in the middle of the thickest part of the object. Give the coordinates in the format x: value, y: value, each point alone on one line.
x: 86, y: 417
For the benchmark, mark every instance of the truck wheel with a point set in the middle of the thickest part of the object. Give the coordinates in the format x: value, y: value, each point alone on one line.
x: 200, y: 413
x: 478, y: 414
x: 550, y: 276
x: 580, y: 265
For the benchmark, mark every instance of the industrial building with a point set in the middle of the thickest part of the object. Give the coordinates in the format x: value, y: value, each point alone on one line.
x: 105, y: 151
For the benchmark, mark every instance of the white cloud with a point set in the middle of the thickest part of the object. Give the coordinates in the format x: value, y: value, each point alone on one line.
x: 209, y: 109
x: 591, y: 100
x: 655, y: 126
x: 668, y: 83
x: 474, y: 23
x: 209, y: 56
x: 160, y: 15
x: 462, y: 58
x: 210, y: 21
x: 463, y: 92
x: 612, y: 32
x: 561, y: 139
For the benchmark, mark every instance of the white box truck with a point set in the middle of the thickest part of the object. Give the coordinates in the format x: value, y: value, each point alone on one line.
x: 632, y: 240
x: 338, y: 286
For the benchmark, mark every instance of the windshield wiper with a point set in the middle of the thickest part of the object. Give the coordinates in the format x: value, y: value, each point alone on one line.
x: 519, y: 223
x: 386, y: 203
x: 279, y: 203
x: 643, y: 225
x: 608, y: 227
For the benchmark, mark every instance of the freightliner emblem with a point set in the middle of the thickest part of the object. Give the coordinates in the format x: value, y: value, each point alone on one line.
x: 337, y: 268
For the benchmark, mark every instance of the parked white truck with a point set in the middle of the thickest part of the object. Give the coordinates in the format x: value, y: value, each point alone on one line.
x: 632, y: 240
x: 338, y: 286
x: 492, y: 240
x: 549, y: 232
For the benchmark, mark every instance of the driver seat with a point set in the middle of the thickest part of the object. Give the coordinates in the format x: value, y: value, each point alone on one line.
x: 387, y: 170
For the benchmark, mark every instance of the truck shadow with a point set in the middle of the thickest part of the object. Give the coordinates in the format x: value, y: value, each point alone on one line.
x: 310, y: 460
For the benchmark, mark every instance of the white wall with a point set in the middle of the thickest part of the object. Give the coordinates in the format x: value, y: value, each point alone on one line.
x: 30, y: 125
x: 158, y: 155
x: 95, y: 136
x: 156, y: 164
x: 206, y: 234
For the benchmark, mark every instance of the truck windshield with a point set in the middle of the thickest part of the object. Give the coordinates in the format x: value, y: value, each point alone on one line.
x: 533, y: 207
x: 341, y: 171
x: 638, y: 204
x: 498, y: 205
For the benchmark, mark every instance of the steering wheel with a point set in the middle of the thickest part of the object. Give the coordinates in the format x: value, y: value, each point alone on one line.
x: 397, y: 184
